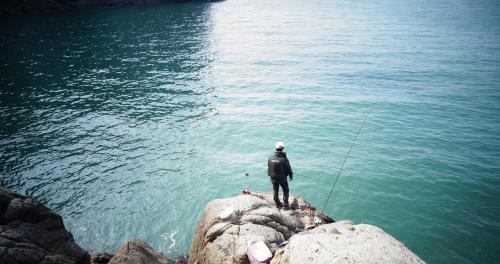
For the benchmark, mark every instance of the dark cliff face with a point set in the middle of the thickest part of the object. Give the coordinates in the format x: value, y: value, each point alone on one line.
x: 33, y: 7
x: 30, y: 233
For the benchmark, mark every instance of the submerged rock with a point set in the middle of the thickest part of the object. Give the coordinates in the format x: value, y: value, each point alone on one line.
x: 32, y: 233
x: 229, y: 225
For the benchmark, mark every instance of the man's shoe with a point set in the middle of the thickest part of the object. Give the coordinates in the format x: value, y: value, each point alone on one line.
x: 286, y: 207
x: 278, y: 205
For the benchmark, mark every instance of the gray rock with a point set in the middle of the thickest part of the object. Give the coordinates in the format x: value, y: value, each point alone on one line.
x: 138, y: 252
x: 26, y: 253
x: 4, y: 259
x: 343, y: 242
x: 57, y: 259
x: 25, y: 210
x: 100, y: 258
x: 228, y: 225
x: 32, y: 233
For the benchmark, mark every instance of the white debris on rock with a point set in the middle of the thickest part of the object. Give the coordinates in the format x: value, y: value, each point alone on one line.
x: 229, y: 225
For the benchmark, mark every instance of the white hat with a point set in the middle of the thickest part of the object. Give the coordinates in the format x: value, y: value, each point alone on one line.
x: 280, y: 145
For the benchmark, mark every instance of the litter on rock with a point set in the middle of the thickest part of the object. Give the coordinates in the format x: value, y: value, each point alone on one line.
x: 284, y: 243
x: 258, y: 252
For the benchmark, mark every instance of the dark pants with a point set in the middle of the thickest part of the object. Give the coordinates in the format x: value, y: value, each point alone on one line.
x: 276, y: 187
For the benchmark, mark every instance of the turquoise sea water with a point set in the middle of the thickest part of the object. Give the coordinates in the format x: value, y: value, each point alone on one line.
x: 128, y: 121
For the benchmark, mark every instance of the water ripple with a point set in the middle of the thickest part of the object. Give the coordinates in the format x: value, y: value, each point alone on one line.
x: 136, y: 117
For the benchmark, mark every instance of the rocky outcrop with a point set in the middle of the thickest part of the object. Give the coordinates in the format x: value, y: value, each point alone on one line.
x: 343, y: 242
x: 100, y: 258
x: 229, y: 225
x: 134, y: 251
x: 138, y: 252
x: 31, y: 233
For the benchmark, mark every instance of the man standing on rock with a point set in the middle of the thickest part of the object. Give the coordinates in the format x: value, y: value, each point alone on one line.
x: 278, y: 167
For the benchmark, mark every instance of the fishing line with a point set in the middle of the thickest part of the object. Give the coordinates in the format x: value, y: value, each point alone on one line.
x: 302, y: 175
x: 345, y: 159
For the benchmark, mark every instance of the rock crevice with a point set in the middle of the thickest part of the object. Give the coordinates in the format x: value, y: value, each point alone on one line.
x: 227, y: 226
x: 30, y: 233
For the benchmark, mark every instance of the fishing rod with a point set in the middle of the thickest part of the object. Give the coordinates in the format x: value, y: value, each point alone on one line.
x: 345, y: 159
x: 341, y: 167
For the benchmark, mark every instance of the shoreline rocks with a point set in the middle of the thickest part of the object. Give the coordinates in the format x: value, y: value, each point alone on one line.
x: 299, y: 235
x: 229, y: 225
x: 100, y: 258
x: 343, y: 242
x: 138, y: 252
x: 30, y: 233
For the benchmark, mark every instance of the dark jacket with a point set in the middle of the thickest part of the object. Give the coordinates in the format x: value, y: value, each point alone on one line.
x: 278, y: 166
